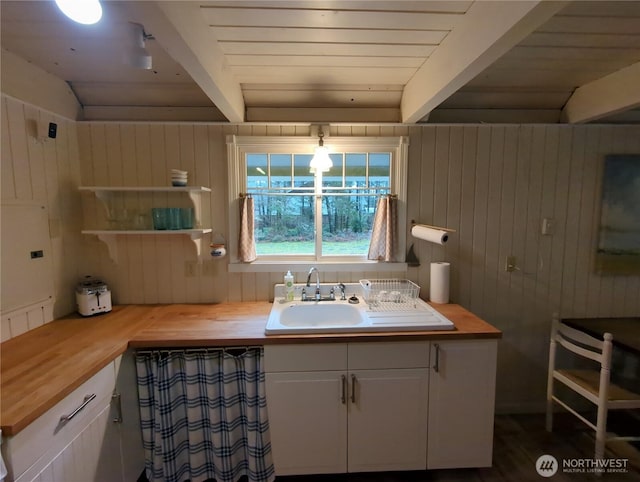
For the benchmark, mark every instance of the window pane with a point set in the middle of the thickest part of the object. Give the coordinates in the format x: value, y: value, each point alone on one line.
x: 356, y: 165
x: 257, y: 171
x: 333, y: 178
x: 302, y: 177
x: 346, y: 225
x: 280, y: 170
x: 284, y: 225
x: 379, y: 169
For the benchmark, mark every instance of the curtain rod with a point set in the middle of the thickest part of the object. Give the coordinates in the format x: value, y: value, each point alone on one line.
x: 167, y: 351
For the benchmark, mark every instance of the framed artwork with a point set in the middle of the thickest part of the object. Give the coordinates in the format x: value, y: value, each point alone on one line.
x: 619, y: 233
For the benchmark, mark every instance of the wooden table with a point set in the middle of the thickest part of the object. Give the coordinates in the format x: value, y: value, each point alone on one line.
x: 625, y: 331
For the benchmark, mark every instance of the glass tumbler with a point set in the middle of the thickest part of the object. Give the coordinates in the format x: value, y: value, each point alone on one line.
x: 159, y: 216
x: 186, y: 218
x: 175, y: 221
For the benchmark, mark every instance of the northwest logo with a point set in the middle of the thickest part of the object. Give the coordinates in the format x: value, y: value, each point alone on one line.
x: 546, y: 465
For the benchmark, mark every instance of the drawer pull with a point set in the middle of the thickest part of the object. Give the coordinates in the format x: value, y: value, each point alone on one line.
x: 353, y: 388
x: 117, y: 398
x: 87, y: 399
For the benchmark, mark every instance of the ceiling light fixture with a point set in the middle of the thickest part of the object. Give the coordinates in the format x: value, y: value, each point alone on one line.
x: 86, y: 12
x: 321, y: 161
x: 135, y: 53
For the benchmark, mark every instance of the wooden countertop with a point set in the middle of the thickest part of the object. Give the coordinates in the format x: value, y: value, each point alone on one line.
x: 41, y: 367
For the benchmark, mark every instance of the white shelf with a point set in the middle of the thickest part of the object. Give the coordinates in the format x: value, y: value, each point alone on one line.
x: 145, y: 189
x: 161, y: 232
x: 108, y: 236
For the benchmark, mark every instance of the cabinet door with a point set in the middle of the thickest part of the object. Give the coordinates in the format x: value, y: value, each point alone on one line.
x: 94, y: 455
x: 307, y: 421
x: 461, y: 404
x: 388, y: 419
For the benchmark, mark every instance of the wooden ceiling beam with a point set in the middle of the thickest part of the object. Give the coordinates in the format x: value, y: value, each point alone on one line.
x: 180, y: 29
x: 487, y: 31
x: 614, y: 93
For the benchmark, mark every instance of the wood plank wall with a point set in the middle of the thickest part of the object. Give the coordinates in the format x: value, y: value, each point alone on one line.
x: 495, y: 184
x: 47, y: 173
x: 492, y: 183
x: 160, y: 269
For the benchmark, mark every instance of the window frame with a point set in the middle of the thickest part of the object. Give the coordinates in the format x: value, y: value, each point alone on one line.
x: 238, y: 146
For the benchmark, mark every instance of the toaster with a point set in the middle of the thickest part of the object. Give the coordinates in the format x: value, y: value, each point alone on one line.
x: 92, y: 297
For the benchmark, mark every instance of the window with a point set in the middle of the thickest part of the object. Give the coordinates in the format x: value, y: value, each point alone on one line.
x: 316, y: 217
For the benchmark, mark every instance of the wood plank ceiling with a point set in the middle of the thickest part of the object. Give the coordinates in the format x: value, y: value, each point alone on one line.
x: 345, y: 61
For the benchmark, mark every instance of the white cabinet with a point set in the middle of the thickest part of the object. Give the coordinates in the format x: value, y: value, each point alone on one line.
x: 54, y: 435
x: 388, y: 420
x: 461, y: 403
x: 99, y: 441
x: 308, y: 422
x: 91, y: 456
x: 384, y: 406
x: 354, y: 407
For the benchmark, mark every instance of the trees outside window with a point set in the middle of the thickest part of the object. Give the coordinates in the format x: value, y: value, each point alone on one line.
x: 301, y: 213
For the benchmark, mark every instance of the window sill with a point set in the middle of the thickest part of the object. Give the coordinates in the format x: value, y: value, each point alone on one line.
x: 277, y: 266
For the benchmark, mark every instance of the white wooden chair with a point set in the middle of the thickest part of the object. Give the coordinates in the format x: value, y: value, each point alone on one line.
x: 594, y: 385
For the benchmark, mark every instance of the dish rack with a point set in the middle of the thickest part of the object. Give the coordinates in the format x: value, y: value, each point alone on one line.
x: 390, y: 294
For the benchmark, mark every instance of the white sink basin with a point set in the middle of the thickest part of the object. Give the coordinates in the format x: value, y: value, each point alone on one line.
x: 297, y: 317
x: 321, y: 314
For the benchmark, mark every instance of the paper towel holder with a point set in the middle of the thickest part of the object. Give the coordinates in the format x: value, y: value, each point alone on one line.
x: 449, y: 230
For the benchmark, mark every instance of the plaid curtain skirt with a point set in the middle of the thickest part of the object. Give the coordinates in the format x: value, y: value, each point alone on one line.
x: 204, y: 415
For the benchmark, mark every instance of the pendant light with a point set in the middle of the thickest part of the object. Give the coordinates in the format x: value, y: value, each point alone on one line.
x: 86, y: 12
x: 321, y: 161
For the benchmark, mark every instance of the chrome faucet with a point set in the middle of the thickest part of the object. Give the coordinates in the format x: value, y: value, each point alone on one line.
x: 311, y: 271
x: 342, y: 287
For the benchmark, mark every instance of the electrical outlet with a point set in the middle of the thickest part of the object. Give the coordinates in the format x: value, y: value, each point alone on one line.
x: 510, y: 264
x: 191, y: 269
x: 548, y: 226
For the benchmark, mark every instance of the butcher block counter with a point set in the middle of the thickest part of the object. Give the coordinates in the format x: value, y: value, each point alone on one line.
x: 41, y: 367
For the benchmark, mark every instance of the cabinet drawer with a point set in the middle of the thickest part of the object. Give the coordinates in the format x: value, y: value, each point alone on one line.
x: 305, y: 358
x: 387, y: 355
x: 46, y: 436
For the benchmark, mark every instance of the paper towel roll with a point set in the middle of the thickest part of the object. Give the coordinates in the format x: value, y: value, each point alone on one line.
x: 429, y: 234
x: 439, y: 285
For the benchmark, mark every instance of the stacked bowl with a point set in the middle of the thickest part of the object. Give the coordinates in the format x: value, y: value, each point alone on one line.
x: 178, y: 178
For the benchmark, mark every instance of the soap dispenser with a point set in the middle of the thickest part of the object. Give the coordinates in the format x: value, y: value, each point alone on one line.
x: 288, y: 286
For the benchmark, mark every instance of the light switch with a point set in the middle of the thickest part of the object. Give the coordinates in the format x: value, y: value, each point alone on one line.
x: 548, y: 226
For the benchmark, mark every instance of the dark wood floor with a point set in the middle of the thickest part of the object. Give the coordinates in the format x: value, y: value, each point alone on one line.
x: 519, y: 441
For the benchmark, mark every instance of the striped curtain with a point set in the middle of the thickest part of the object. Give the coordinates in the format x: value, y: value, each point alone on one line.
x: 204, y: 415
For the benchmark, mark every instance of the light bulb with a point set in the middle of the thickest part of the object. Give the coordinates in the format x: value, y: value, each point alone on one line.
x: 321, y: 160
x: 82, y: 11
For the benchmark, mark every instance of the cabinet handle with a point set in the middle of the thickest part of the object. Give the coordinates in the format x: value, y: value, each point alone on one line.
x: 343, y: 394
x: 117, y: 398
x: 87, y: 399
x: 353, y: 388
x: 436, y: 365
